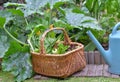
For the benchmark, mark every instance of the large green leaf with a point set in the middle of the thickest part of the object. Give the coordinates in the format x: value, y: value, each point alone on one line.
x: 82, y: 20
x: 15, y: 23
x: 17, y: 60
x: 4, y: 43
x: 16, y: 12
x: 8, y: 14
x: 33, y: 6
x: 2, y: 22
x: 36, y: 4
x: 56, y: 3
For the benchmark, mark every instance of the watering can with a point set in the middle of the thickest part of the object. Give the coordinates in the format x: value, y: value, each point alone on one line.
x: 112, y: 55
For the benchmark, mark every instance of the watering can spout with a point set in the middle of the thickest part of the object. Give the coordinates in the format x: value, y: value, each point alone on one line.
x: 104, y: 53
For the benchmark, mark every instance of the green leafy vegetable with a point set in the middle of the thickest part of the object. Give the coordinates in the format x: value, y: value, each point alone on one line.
x: 17, y: 60
x: 61, y: 49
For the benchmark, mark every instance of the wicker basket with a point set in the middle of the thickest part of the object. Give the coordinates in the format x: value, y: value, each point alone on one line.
x: 56, y: 65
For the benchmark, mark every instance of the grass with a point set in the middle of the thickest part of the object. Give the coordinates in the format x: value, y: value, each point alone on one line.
x: 7, y: 77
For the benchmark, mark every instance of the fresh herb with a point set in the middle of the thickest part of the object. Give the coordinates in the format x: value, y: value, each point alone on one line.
x: 61, y: 49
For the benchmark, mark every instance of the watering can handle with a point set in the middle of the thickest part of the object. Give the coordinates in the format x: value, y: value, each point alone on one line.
x: 115, y: 28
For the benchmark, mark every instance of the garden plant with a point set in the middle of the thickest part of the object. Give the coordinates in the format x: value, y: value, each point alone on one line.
x: 22, y: 24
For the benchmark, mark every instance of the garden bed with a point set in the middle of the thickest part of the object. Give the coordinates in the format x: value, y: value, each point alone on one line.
x: 94, y: 57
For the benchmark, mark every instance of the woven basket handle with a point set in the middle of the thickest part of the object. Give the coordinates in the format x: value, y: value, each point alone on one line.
x: 66, y: 39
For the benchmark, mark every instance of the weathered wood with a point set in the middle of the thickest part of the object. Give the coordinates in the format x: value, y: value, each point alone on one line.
x: 94, y: 57
x: 91, y: 70
x: 114, y: 76
x: 91, y: 57
x: 40, y: 77
x: 86, y: 57
x: 97, y: 57
x: 82, y: 73
x: 105, y: 71
x: 99, y: 70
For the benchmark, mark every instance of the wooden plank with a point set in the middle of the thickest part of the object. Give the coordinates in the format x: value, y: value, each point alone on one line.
x: 99, y: 70
x: 97, y: 57
x: 91, y: 70
x: 82, y: 72
x: 40, y: 77
x: 114, y: 76
x: 91, y: 57
x: 105, y: 71
x: 86, y: 56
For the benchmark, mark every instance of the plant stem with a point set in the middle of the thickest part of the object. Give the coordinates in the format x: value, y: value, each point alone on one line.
x: 50, y: 17
x: 81, y: 1
x: 14, y: 37
x: 92, y: 9
x: 29, y: 40
x: 30, y: 44
x: 26, y: 21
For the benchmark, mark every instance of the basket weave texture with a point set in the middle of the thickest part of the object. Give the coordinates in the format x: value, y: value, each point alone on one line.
x: 56, y: 65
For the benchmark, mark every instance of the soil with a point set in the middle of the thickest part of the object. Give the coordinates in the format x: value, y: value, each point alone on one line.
x: 105, y: 46
x: 72, y: 47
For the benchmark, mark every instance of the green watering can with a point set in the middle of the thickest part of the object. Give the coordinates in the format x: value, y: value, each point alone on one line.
x: 112, y: 55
